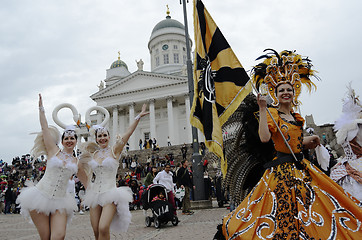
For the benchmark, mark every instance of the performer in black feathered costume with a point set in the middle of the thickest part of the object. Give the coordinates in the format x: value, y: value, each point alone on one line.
x: 245, y: 153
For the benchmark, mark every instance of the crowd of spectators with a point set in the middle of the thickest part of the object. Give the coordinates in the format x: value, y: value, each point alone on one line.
x: 134, y: 169
x: 13, y: 178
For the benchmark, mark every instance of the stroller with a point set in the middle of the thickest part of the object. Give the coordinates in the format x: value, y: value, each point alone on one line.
x: 162, y: 211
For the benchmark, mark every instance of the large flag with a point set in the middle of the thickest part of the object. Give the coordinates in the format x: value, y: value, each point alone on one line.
x: 220, y: 81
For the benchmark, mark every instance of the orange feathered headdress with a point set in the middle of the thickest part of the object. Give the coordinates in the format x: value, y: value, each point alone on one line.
x: 286, y: 67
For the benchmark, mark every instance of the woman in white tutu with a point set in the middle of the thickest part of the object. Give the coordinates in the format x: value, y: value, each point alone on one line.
x: 48, y: 203
x: 348, y: 171
x: 109, y: 205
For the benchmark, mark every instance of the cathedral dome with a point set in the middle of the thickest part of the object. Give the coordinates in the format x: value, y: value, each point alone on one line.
x: 167, y: 46
x: 168, y: 23
x: 118, y: 63
x: 117, y: 70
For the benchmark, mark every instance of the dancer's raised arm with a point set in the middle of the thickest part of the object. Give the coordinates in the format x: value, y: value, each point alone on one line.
x: 264, y: 132
x: 118, y: 147
x: 49, y: 143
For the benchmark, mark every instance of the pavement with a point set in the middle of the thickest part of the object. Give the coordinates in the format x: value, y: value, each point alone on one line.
x: 201, y: 225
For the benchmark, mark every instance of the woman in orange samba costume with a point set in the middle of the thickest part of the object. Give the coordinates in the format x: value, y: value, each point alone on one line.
x: 293, y: 199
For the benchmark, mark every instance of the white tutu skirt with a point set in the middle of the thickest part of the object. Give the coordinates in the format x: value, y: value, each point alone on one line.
x: 31, y: 198
x: 121, y: 197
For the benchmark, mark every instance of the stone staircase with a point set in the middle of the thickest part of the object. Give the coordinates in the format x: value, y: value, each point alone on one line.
x: 143, y: 154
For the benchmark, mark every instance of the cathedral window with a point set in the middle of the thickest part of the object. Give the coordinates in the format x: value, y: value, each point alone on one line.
x: 165, y: 59
x: 157, y: 61
x: 176, y: 58
x: 175, y: 47
x: 184, y: 59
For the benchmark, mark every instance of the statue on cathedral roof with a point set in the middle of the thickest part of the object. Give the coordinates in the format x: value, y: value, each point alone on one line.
x: 101, y: 85
x: 140, y: 65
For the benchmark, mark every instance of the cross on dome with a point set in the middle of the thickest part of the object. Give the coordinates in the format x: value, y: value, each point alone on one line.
x: 168, y: 11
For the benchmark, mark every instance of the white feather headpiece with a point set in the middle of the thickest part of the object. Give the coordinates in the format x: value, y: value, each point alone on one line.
x: 97, y: 128
x: 347, y: 125
x: 70, y: 131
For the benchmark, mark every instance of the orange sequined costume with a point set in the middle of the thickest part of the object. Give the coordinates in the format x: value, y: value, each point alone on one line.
x: 291, y: 203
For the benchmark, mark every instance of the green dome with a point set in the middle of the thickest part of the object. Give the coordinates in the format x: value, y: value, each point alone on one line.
x: 168, y: 23
x: 118, y: 63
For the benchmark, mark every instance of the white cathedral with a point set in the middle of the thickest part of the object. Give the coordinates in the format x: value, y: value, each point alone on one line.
x: 164, y: 89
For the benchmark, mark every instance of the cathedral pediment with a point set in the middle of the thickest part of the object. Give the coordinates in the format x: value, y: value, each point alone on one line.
x: 139, y: 82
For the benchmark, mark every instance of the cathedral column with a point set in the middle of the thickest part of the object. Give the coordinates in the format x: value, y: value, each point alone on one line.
x: 122, y: 121
x: 188, y: 124
x: 99, y: 117
x: 152, y: 118
x: 115, y: 123
x: 131, y: 140
x: 170, y: 119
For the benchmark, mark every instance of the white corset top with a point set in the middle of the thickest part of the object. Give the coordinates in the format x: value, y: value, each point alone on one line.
x: 105, y: 174
x: 56, y: 177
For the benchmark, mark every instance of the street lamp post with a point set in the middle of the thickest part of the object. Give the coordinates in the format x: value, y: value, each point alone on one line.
x: 197, y: 168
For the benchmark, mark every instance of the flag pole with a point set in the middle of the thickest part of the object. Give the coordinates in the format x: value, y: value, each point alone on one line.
x: 279, y: 130
x: 197, y: 167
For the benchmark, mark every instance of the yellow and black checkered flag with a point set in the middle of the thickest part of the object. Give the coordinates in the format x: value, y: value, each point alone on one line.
x: 220, y: 81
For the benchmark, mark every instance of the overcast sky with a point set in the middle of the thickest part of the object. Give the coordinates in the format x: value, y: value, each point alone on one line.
x: 63, y: 48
